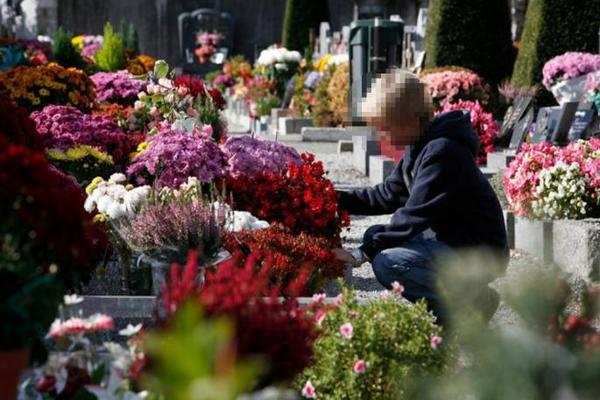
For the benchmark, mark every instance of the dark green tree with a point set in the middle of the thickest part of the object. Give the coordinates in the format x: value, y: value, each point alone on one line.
x: 300, y: 17
x: 553, y: 27
x: 65, y: 53
x: 471, y: 33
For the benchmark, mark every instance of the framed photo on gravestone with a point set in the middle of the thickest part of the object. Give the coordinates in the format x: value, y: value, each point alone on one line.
x: 567, y: 115
x: 519, y: 108
x: 582, y: 121
x: 542, y: 124
x: 520, y: 130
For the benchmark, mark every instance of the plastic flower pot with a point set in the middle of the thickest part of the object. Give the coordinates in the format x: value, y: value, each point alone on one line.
x: 569, y: 90
x: 12, y: 365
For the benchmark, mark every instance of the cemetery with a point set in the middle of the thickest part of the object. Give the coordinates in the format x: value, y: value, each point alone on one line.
x: 291, y: 199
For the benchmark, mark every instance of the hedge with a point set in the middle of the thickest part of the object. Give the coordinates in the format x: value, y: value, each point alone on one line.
x: 471, y: 33
x: 553, y: 27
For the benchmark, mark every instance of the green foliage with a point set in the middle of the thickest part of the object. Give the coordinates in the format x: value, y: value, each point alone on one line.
x: 266, y: 104
x: 321, y: 112
x: 210, y: 77
x: 130, y: 37
x: 300, y: 17
x: 498, y: 186
x: 550, y: 350
x: 392, y: 336
x: 194, y: 358
x: 553, y: 27
x: 472, y: 34
x: 65, y: 53
x: 111, y: 57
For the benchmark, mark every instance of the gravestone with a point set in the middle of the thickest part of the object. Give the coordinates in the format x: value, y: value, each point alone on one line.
x: 514, y: 114
x: 541, y: 124
x: 203, y: 20
x: 422, y: 21
x: 520, y: 131
x: 583, y: 121
x: 324, y: 38
x: 567, y: 114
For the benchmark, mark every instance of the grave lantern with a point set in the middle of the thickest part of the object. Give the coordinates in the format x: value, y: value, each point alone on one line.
x: 375, y: 46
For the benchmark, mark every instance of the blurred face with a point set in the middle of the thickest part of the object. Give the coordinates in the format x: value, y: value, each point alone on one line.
x: 398, y: 106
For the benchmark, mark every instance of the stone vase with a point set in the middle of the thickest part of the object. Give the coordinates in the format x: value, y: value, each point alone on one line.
x: 534, y: 237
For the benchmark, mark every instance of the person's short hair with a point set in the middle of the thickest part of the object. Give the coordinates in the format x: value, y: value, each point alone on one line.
x: 396, y: 96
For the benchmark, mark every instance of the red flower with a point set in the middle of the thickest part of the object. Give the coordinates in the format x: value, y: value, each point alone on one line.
x: 193, y: 83
x: 217, y: 98
x: 280, y: 331
x: 301, y: 198
x: 16, y: 126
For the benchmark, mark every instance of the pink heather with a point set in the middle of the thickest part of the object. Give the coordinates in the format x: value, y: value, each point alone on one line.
x: 568, y: 66
x: 397, y: 287
x: 435, y: 341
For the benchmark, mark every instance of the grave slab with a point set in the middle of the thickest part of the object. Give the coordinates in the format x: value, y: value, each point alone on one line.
x: 345, y: 146
x: 535, y: 238
x: 363, y: 148
x: 499, y: 160
x: 289, y: 125
x: 509, y: 223
x: 380, y: 167
x: 576, y: 247
x: 322, y: 134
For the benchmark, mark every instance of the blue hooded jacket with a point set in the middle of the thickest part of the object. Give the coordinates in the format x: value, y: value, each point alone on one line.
x: 436, y: 186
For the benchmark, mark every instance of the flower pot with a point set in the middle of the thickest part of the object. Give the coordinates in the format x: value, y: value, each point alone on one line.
x: 569, y: 90
x: 12, y: 365
x: 159, y: 271
x: 534, y: 237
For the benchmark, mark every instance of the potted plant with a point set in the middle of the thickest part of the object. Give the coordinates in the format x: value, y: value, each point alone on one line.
x: 47, y: 245
x: 565, y: 75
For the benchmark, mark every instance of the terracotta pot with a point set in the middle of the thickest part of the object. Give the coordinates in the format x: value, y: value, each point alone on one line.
x: 12, y: 365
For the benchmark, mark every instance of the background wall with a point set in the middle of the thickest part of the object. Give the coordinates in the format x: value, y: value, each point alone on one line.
x: 257, y: 22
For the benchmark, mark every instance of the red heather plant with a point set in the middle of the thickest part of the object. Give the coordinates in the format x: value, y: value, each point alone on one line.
x: 292, y: 254
x: 301, y: 198
x: 280, y: 331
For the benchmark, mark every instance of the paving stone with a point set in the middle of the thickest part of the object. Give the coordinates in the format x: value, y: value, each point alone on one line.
x: 290, y: 125
x: 322, y: 134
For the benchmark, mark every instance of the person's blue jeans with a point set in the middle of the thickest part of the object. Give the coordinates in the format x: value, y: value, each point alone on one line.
x: 412, y: 265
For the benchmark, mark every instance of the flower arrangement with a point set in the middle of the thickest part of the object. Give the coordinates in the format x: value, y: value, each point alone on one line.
x: 280, y: 332
x: 64, y: 127
x: 251, y: 156
x: 256, y: 89
x: 301, y: 198
x: 452, y: 86
x: 372, y: 350
x: 88, y: 45
x: 483, y: 123
x: 140, y: 65
x: 14, y: 52
x: 169, y: 230
x: 115, y: 199
x: 173, y: 156
x: 117, y: 87
x: 184, y: 103
x: 82, y: 162
x: 509, y: 92
x: 223, y: 81
x: 568, y: 66
x: 208, y: 43
x: 238, y: 68
x: 16, y: 126
x: 592, y: 85
x: 42, y: 85
x: 291, y: 254
x: 337, y: 91
x: 278, y: 64
x: 547, y: 182
x: 47, y: 242
x: 78, y: 367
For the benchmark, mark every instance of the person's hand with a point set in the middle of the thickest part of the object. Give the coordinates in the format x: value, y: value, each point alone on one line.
x: 343, y: 256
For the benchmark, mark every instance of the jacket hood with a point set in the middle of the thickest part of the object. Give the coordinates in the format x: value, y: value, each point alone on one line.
x: 455, y: 125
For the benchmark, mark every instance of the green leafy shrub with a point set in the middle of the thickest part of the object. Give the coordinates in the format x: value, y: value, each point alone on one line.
x: 321, y: 113
x: 331, y: 107
x: 553, y: 27
x: 130, y: 37
x: 266, y: 104
x: 372, y: 351
x: 65, y: 53
x: 471, y: 34
x: 300, y: 17
x: 111, y: 57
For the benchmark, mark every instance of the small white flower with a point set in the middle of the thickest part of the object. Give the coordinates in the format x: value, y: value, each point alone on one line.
x: 72, y: 299
x: 130, y: 330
